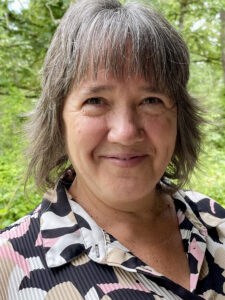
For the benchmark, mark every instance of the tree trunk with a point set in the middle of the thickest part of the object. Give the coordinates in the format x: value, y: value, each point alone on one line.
x: 183, y: 6
x: 222, y: 18
x: 5, y: 5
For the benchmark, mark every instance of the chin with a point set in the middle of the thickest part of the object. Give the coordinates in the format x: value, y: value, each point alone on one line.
x: 128, y: 194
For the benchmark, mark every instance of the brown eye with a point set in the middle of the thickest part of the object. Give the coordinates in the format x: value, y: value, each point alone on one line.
x: 93, y: 101
x: 153, y: 105
x: 152, y: 100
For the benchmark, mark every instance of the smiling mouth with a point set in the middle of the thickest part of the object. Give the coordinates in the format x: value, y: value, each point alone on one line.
x: 125, y: 158
x: 125, y: 161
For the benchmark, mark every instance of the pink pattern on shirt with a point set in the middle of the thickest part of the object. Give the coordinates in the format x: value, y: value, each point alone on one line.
x: 196, y: 251
x: 9, y: 253
x: 37, y: 209
x: 16, y: 231
x: 180, y: 216
x: 38, y: 240
x: 50, y: 242
x: 198, y: 254
x: 212, y: 202
x: 204, y: 231
x: 109, y: 287
x: 193, y: 281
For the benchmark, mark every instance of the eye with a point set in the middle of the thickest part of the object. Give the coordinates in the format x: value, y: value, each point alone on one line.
x: 94, y: 101
x: 94, y: 106
x: 152, y: 100
x: 153, y: 105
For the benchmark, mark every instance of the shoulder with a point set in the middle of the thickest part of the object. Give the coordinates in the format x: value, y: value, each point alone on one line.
x: 16, y: 239
x: 19, y: 253
x: 210, y: 211
x: 210, y: 214
x: 21, y: 234
x: 20, y: 227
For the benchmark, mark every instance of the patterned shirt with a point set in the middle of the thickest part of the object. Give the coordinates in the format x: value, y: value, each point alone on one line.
x: 58, y: 252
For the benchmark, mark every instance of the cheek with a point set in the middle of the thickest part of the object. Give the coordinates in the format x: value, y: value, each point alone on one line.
x: 86, y: 134
x: 163, y: 130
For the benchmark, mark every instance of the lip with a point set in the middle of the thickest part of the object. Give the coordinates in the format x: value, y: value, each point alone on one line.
x: 125, y: 160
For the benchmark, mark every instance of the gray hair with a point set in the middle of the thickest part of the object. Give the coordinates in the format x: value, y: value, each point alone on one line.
x: 124, y: 39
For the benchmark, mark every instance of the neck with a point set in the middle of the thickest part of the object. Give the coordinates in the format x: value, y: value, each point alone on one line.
x: 132, y: 216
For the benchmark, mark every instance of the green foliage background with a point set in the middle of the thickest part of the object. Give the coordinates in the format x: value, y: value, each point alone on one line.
x: 24, y: 38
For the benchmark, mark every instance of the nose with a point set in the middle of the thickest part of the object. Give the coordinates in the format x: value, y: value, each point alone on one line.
x: 125, y: 128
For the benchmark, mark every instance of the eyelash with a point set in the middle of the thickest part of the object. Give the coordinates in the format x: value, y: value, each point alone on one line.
x: 154, y: 100
x: 93, y: 101
x: 149, y: 100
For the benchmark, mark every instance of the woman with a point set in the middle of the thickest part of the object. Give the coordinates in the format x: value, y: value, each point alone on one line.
x: 113, y: 124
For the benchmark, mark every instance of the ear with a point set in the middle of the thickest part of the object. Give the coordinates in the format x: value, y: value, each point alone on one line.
x: 62, y: 126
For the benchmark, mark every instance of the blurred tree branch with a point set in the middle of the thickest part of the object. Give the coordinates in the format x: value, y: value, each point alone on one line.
x: 222, y: 18
x: 51, y: 13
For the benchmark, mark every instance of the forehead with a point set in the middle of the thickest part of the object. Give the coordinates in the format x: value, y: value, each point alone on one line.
x: 106, y: 76
x: 103, y: 80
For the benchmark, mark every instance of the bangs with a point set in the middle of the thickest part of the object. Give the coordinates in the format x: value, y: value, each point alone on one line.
x: 123, y: 44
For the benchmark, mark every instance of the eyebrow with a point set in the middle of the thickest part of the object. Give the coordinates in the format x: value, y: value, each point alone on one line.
x: 150, y: 89
x: 101, y: 88
x: 98, y: 88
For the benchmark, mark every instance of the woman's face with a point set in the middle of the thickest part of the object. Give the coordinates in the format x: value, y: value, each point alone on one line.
x: 120, y: 136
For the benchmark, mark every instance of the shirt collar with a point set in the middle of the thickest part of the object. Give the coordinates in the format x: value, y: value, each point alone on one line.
x: 67, y: 231
x: 60, y: 232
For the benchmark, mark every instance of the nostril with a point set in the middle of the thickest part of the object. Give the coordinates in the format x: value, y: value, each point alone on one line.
x: 125, y: 137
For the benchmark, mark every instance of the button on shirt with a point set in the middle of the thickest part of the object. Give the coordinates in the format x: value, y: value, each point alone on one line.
x: 59, y: 252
